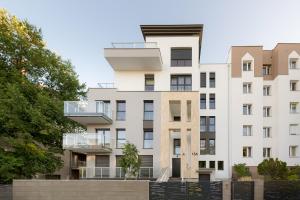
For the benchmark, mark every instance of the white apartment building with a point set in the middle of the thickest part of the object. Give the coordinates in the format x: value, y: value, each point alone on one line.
x: 188, y: 120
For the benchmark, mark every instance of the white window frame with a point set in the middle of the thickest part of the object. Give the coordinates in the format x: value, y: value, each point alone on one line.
x: 267, y: 70
x: 247, y: 88
x: 248, y: 109
x: 247, y: 65
x: 293, y: 85
x: 294, y: 107
x: 267, y: 132
x: 267, y: 90
x: 267, y: 152
x: 247, y: 130
x: 293, y: 63
x: 248, y: 152
x: 293, y: 132
x: 293, y: 151
x: 267, y: 111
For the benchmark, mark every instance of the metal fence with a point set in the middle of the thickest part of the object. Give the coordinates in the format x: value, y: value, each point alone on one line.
x: 242, y: 190
x: 282, y: 190
x: 5, y: 192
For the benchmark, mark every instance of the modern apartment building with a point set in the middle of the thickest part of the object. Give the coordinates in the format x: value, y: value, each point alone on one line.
x: 188, y: 120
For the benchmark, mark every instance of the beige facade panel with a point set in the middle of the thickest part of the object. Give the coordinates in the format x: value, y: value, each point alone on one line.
x: 236, y: 59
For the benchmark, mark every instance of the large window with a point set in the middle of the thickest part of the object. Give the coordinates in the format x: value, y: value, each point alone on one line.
x: 203, y: 80
x: 121, y: 110
x: 212, y: 101
x: 247, y: 152
x: 212, y: 80
x: 148, y: 138
x: 207, y: 124
x: 121, y: 138
x: 148, y: 110
x: 202, y: 101
x: 181, y: 57
x: 149, y: 82
x: 103, y: 137
x: 181, y: 82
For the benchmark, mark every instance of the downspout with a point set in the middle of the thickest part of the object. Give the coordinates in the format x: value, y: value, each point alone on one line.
x: 228, y: 121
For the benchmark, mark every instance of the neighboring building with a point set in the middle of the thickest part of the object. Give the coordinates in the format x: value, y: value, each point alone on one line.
x: 187, y: 119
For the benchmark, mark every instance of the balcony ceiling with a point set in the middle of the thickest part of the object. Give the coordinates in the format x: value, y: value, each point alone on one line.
x: 90, y: 149
x: 133, y: 59
x: 89, y: 118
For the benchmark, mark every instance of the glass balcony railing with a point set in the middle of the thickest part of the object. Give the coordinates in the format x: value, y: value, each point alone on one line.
x: 135, y: 45
x: 86, y: 107
x: 87, y: 141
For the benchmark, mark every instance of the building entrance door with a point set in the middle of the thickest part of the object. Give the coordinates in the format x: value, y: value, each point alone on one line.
x: 175, y: 167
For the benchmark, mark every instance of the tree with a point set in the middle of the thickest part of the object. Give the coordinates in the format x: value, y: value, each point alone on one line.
x: 241, y: 170
x: 130, y: 161
x: 273, y: 169
x: 34, y: 82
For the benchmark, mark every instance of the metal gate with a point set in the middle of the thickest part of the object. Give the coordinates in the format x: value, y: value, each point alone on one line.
x: 186, y: 190
x: 242, y: 190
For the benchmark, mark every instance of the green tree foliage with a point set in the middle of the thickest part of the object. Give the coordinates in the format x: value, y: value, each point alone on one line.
x: 130, y: 161
x: 294, y: 173
x: 34, y: 82
x: 241, y: 170
x: 273, y: 169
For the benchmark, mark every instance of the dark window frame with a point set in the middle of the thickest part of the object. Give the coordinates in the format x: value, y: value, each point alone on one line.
x: 203, y: 80
x: 212, y: 79
x: 185, y: 86
x: 118, y: 118
x: 181, y: 60
x: 149, y: 87
x: 148, y: 111
x: 118, y: 139
x: 144, y: 139
x: 203, y: 101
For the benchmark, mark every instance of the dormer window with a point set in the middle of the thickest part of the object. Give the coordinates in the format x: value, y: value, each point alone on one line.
x: 247, y: 66
x: 293, y: 63
x: 181, y: 57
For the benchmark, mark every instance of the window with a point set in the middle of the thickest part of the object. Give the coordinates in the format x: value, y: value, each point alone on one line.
x: 293, y: 85
x: 103, y: 137
x: 181, y: 82
x: 202, y: 123
x: 247, y: 66
x: 294, y: 129
x: 267, y: 90
x: 267, y: 132
x: 212, y: 124
x: 212, y: 164
x: 293, y: 63
x: 247, y: 152
x: 202, y: 144
x: 212, y: 101
x: 266, y: 70
x: 121, y: 110
x: 267, y: 111
x: 293, y: 151
x: 149, y: 82
x: 148, y: 138
x: 293, y: 107
x: 247, y: 130
x: 212, y: 80
x: 181, y: 57
x: 121, y: 138
x: 247, y: 88
x: 247, y: 109
x: 267, y: 152
x: 202, y: 101
x: 202, y: 164
x: 102, y: 106
x: 203, y: 80
x: 220, y: 165
x: 175, y: 110
x: 148, y: 110
x: 176, y: 147
x: 211, y: 143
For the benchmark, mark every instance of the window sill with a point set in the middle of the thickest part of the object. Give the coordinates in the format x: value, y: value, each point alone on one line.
x: 293, y: 156
x: 148, y: 148
x: 294, y: 134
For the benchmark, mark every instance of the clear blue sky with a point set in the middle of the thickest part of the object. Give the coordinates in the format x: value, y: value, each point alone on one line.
x: 79, y: 30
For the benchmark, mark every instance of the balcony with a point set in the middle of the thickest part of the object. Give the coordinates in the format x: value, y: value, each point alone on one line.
x: 134, y: 56
x: 87, y: 142
x: 88, y: 112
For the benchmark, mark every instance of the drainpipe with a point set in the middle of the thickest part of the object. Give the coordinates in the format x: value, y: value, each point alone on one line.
x: 228, y: 120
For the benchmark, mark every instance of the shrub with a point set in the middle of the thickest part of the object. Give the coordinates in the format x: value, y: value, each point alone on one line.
x: 241, y: 170
x: 273, y: 169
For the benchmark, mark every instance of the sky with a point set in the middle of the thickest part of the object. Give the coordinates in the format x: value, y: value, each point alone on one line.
x: 78, y: 30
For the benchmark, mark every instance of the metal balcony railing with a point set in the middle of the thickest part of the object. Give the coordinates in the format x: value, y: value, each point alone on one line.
x: 208, y: 151
x: 87, y: 107
x: 135, y: 45
x: 86, y: 141
x: 107, y: 172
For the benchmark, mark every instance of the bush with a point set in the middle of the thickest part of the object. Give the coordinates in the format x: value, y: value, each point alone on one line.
x: 273, y: 169
x: 241, y: 170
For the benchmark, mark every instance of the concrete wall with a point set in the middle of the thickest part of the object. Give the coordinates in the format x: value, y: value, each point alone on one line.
x: 80, y: 189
